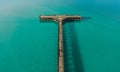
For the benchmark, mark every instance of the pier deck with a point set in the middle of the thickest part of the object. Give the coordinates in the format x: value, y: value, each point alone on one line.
x: 59, y: 19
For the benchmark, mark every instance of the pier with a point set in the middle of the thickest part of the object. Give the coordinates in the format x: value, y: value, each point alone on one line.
x: 60, y: 19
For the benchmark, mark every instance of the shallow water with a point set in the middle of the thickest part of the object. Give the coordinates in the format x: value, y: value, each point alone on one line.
x: 28, y: 45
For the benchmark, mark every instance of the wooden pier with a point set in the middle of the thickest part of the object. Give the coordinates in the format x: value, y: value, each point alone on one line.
x: 59, y: 19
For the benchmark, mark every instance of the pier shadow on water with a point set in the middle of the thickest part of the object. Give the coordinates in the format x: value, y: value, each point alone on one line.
x: 72, y: 56
x: 84, y: 18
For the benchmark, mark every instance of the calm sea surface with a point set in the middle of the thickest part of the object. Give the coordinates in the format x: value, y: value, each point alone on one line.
x: 29, y: 45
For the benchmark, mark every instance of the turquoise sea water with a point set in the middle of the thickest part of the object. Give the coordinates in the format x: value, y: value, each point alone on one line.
x: 28, y: 45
